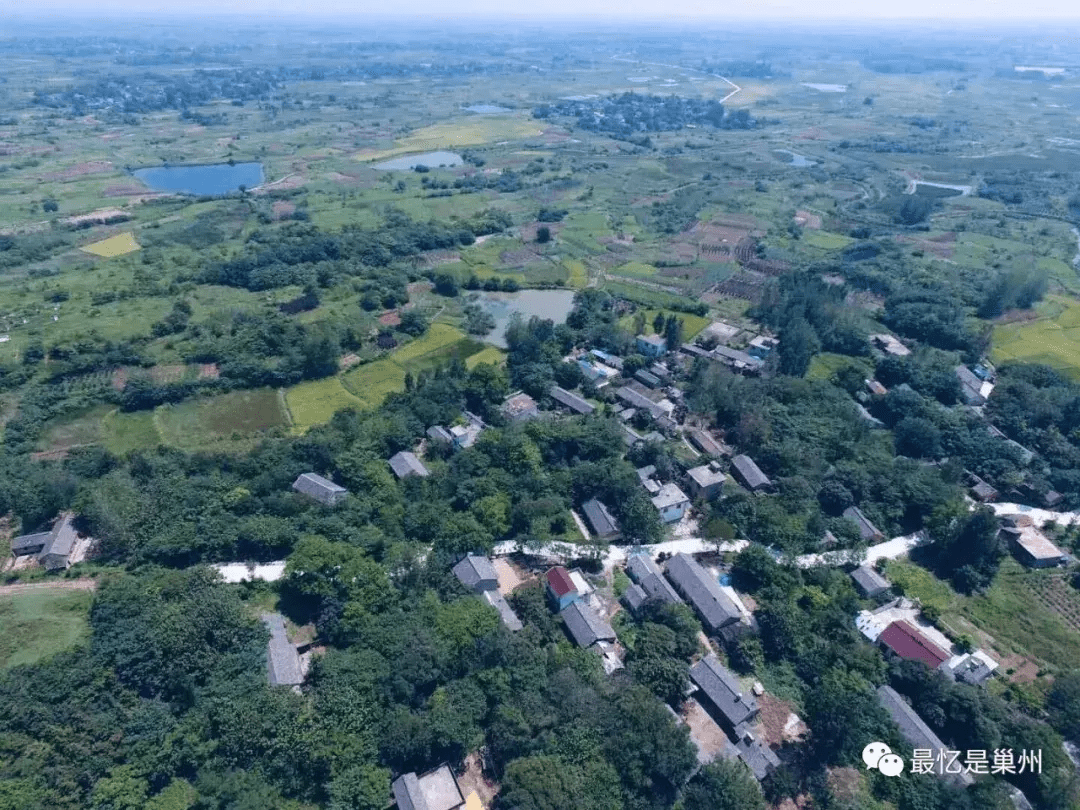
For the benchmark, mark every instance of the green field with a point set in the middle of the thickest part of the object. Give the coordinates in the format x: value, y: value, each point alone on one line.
x: 490, y: 354
x: 824, y: 365
x: 826, y: 240
x: 1053, y: 338
x: 39, y: 624
x: 113, y: 246
x: 313, y: 403
x: 457, y: 133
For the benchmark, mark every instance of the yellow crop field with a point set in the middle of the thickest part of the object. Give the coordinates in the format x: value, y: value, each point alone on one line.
x: 1053, y: 338
x: 312, y: 403
x: 491, y: 355
x: 371, y: 382
x: 579, y: 276
x: 437, y: 336
x: 692, y: 324
x: 113, y: 246
x: 458, y: 133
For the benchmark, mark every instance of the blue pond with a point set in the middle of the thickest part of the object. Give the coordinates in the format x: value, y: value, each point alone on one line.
x: 218, y: 178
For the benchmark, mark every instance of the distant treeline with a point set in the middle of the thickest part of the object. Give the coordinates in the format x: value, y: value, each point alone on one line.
x: 630, y: 114
x: 745, y: 68
x: 910, y: 63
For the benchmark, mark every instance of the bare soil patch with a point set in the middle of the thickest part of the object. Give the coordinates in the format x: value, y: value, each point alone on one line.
x: 436, y: 257
x: 348, y: 361
x: 123, y: 190
x: 162, y: 374
x: 472, y: 780
x: 941, y: 246
x: 52, y: 585
x: 391, y: 318
x: 711, y: 741
x: 79, y: 170
x: 777, y: 723
x: 209, y: 371
x: 283, y: 208
x: 119, y: 379
x: 102, y: 215
x: 509, y: 576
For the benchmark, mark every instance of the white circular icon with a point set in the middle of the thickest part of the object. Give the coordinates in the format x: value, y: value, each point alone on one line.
x: 891, y: 765
x: 873, y: 753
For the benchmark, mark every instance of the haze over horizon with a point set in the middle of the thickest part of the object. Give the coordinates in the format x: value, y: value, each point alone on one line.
x: 988, y: 11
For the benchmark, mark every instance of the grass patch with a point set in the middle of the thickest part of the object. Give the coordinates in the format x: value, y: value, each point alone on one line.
x: 198, y: 422
x: 1053, y: 338
x: 39, y: 624
x: 313, y: 403
x: 438, y: 336
x: 920, y: 584
x: 371, y: 382
x: 824, y: 365
x: 692, y: 324
x: 122, y: 432
x: 826, y: 240
x: 113, y: 246
x: 635, y: 270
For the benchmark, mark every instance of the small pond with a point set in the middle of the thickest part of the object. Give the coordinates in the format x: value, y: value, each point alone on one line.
x: 826, y: 88
x: 213, y: 179
x: 552, y: 304
x: 799, y: 161
x: 430, y: 159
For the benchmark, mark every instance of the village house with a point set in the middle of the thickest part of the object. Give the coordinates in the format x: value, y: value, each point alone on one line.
x: 647, y: 379
x: 607, y: 359
x: 714, y: 607
x: 519, y: 407
x: 476, y: 573
x: 320, y: 489
x: 980, y: 490
x: 869, y: 582
x: 651, y: 345
x: 890, y: 345
x: 749, y: 474
x: 705, y: 443
x: 435, y: 790
x: 706, y: 481
x: 904, y: 640
x: 635, y: 399
x: 282, y: 658
x: 671, y: 502
x: 972, y: 390
x: 917, y: 733
x: 867, y: 530
x: 974, y: 668
x: 602, y: 521
x: 1029, y: 545
x: 406, y: 463
x: 585, y: 626
x: 438, y: 433
x: 561, y: 589
x: 876, y: 388
x: 649, y: 583
x: 570, y: 402
x: 722, y: 693
x: 54, y: 548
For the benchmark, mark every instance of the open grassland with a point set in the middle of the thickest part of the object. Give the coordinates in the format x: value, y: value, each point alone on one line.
x: 1052, y: 338
x: 692, y: 324
x: 204, y: 421
x: 470, y: 131
x: 824, y: 365
x: 371, y: 382
x: 578, y: 275
x: 38, y: 624
x: 826, y: 240
x: 113, y: 246
x: 1022, y: 611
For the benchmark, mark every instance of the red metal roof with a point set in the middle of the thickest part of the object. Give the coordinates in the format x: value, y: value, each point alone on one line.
x: 907, y: 642
x: 558, y: 579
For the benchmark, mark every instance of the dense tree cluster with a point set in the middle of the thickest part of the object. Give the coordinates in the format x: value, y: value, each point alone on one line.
x: 631, y: 114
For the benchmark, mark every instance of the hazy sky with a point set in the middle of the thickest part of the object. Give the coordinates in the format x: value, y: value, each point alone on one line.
x: 612, y: 10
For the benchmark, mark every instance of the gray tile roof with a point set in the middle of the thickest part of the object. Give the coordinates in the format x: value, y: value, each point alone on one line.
x: 722, y: 688
x: 636, y: 399
x: 30, y: 543
x: 749, y: 472
x: 506, y: 613
x: 869, y: 581
x: 736, y: 358
x: 476, y: 572
x: 669, y: 495
x: 635, y: 597
x: 912, y: 727
x: 405, y: 464
x: 650, y: 580
x: 702, y: 591
x: 60, y: 544
x: 440, y: 434
x: 647, y: 378
x: 519, y: 406
x: 867, y: 530
x: 705, y: 477
x: 585, y: 625
x: 704, y: 442
x: 601, y: 520
x: 759, y: 758
x: 970, y: 386
x: 407, y: 793
x: 321, y: 489
x: 283, y: 662
x: 571, y: 401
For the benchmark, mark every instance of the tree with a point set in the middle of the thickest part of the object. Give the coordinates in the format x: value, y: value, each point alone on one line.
x: 658, y: 323
x: 50, y: 206
x: 917, y: 438
x: 798, y: 345
x: 1063, y: 705
x: 724, y: 785
x: 543, y: 234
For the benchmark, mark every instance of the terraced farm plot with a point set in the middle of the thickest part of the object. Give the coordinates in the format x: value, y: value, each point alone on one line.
x: 439, y: 336
x: 117, y: 245
x: 1052, y: 338
x: 38, y: 624
x: 371, y: 382
x: 635, y: 270
x: 456, y: 133
x: 578, y: 276
x: 313, y: 403
x: 489, y: 354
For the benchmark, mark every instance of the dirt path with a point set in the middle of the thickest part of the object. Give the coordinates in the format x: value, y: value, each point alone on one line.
x: 58, y: 585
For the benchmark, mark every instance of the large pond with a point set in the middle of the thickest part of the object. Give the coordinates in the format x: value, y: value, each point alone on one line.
x: 430, y: 159
x: 213, y: 179
x: 552, y: 304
